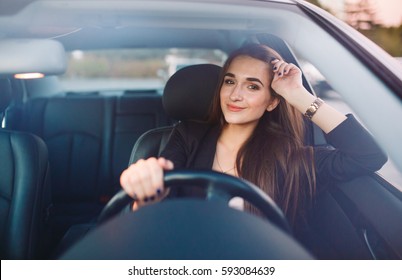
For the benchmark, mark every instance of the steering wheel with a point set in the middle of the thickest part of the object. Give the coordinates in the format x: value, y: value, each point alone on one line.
x: 192, y: 229
x: 219, y: 187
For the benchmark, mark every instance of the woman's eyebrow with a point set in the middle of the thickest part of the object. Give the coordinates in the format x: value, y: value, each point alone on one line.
x: 255, y: 80
x: 230, y: 75
x: 251, y: 79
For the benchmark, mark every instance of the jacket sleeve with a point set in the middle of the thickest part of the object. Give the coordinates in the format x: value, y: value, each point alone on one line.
x: 354, y: 152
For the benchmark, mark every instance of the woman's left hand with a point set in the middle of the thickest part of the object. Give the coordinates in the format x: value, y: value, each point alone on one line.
x: 287, y: 78
x: 288, y: 83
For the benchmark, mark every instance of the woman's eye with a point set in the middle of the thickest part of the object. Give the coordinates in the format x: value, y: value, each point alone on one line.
x: 253, y: 87
x: 229, y: 82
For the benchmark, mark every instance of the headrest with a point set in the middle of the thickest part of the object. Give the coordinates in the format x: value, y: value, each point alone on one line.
x: 189, y: 92
x: 5, y: 94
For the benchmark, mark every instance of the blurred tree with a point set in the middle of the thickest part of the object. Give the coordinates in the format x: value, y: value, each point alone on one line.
x: 389, y: 38
x: 362, y: 16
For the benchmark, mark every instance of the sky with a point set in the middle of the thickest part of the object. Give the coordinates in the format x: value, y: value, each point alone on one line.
x: 388, y: 12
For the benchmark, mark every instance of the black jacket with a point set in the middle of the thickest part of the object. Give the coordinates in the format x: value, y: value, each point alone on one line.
x: 354, y: 152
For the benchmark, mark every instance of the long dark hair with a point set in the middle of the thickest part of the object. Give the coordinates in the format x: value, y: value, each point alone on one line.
x: 274, y: 157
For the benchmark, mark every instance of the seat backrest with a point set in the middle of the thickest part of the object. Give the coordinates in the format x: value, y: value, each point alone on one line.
x: 25, y: 198
x: 187, y: 95
x: 135, y: 114
x: 78, y: 133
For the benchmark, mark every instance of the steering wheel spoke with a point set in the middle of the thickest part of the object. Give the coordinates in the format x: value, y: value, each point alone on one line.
x: 217, y: 195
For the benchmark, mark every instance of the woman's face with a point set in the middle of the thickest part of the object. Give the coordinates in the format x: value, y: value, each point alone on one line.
x: 245, y: 93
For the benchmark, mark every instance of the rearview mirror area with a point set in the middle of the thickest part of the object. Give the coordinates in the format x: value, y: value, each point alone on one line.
x: 31, y: 58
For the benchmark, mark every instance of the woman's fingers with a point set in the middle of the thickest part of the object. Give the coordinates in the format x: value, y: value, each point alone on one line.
x: 125, y: 183
x: 282, y: 68
x: 288, y: 68
x: 144, y: 179
x: 165, y: 163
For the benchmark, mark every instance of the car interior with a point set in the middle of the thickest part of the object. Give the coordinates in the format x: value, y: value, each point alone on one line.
x: 63, y: 151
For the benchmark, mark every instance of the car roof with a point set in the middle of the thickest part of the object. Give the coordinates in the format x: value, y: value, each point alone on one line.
x: 144, y: 23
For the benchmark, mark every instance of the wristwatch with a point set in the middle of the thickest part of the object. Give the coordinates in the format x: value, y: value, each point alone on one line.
x: 313, y: 108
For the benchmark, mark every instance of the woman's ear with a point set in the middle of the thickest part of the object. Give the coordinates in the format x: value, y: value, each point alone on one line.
x: 272, y: 105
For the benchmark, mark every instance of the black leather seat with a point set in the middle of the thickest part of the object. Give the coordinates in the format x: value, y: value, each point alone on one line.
x: 25, y: 196
x: 77, y: 132
x: 25, y: 200
x: 187, y: 96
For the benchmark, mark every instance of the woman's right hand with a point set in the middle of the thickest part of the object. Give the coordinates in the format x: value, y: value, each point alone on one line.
x: 143, y: 180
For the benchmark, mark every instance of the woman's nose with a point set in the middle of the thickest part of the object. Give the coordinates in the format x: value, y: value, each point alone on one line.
x: 236, y: 95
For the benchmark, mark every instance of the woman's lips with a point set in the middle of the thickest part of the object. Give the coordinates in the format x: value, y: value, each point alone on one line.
x: 234, y: 108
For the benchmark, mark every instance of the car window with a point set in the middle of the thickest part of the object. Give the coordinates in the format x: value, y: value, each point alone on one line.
x: 130, y: 69
x: 323, y: 89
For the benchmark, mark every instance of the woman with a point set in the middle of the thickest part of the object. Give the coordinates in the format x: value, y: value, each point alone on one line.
x: 256, y: 132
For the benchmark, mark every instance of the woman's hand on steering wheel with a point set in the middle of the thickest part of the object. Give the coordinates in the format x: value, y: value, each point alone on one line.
x: 143, y: 180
